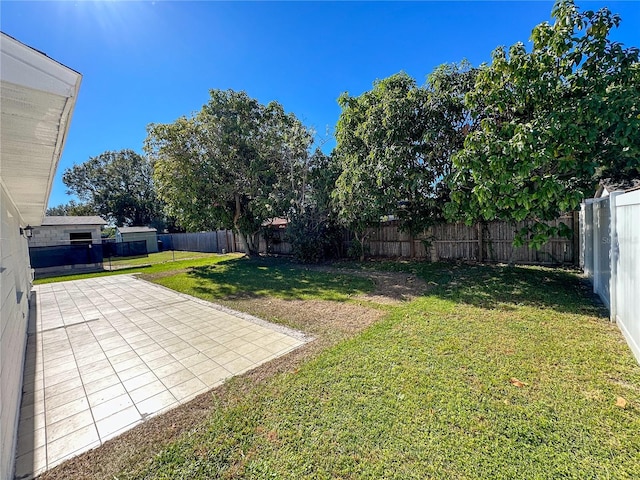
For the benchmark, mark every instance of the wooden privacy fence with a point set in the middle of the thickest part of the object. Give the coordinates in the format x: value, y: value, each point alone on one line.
x: 486, y: 242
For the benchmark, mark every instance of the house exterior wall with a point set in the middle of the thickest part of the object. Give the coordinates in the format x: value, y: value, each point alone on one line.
x: 150, y: 237
x: 51, y: 235
x: 15, y: 285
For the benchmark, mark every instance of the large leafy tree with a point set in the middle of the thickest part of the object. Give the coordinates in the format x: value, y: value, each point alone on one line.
x: 73, y: 209
x: 555, y: 121
x: 313, y: 230
x: 395, y: 144
x: 118, y: 185
x: 234, y: 164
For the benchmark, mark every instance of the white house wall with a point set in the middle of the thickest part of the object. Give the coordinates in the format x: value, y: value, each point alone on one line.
x: 15, y: 285
x: 37, y: 98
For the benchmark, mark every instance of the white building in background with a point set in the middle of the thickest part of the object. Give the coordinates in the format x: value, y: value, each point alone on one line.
x: 68, y: 230
x: 37, y: 98
x: 136, y: 234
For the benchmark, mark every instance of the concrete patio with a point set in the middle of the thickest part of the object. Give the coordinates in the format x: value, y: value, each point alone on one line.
x: 105, y: 354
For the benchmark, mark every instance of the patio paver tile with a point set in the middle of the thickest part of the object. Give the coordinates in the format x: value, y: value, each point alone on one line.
x: 95, y: 366
x: 239, y: 365
x: 188, y: 390
x: 154, y: 354
x: 117, y: 421
x: 106, y: 394
x: 58, y: 398
x: 65, y: 411
x: 97, y: 373
x: 127, y: 364
x: 101, y: 383
x: 134, y: 371
x: 157, y: 403
x: 61, y: 368
x: 176, y: 378
x: 215, y: 376
x: 139, y: 380
x: 68, y: 425
x: 81, y: 438
x: 106, y: 409
x: 129, y: 350
x: 147, y: 391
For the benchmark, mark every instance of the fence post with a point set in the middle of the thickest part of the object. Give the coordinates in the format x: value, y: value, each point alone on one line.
x: 480, y: 247
x: 614, y: 254
x: 587, y: 233
x: 596, y: 244
x: 575, y: 227
x: 412, y: 247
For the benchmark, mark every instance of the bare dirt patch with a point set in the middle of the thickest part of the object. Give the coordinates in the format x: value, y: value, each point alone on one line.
x: 328, y: 322
x: 390, y: 287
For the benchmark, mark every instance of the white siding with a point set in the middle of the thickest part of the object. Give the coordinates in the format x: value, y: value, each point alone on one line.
x: 15, y: 285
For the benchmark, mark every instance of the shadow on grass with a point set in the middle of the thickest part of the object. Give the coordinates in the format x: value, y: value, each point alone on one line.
x: 258, y: 277
x: 497, y: 286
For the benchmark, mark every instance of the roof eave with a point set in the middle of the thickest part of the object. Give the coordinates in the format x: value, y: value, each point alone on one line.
x: 28, y: 73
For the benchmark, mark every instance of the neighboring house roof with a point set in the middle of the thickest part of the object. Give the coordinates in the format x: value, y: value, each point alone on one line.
x: 37, y: 98
x: 606, y: 187
x: 136, y: 230
x: 72, y: 220
x: 276, y: 222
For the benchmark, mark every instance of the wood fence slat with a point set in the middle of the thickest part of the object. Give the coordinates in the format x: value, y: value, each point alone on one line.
x: 492, y: 242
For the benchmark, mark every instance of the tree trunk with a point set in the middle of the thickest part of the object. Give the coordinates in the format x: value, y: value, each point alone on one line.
x: 246, y: 239
x: 254, y: 243
x: 512, y: 252
x: 361, y: 243
x: 243, y: 241
x: 236, y: 217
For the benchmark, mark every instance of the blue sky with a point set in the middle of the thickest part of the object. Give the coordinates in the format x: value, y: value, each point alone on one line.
x: 151, y: 62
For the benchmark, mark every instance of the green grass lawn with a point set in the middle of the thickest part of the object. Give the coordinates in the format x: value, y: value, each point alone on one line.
x: 427, y: 392
x: 264, y: 277
x: 154, y: 258
x: 154, y: 264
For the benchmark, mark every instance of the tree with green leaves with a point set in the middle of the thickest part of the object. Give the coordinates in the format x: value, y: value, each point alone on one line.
x: 313, y: 230
x: 72, y: 209
x: 395, y: 144
x: 234, y: 164
x: 118, y: 185
x: 555, y: 121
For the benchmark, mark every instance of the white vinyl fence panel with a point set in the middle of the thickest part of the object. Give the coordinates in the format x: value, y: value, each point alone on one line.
x: 610, y: 257
x: 625, y: 308
x: 601, y: 249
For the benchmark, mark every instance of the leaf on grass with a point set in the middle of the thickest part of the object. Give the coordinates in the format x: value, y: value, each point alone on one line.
x: 517, y: 383
x: 621, y: 402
